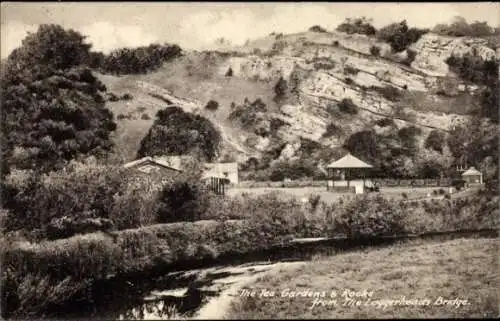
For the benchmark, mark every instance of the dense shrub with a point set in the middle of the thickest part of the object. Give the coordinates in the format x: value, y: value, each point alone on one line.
x: 458, y: 184
x: 317, y: 28
x: 332, y: 130
x: 435, y: 141
x: 399, y: 36
x: 348, y: 106
x: 175, y: 132
x: 350, y: 70
x: 136, y: 60
x: 212, y: 105
x: 389, y: 92
x: 370, y: 216
x: 127, y: 96
x: 45, y: 83
x: 249, y: 114
x: 280, y: 89
x: 292, y: 170
x: 324, y: 65
x: 471, y: 67
x: 363, y: 144
x: 182, y: 201
x: 112, y: 97
x: 460, y: 28
x: 385, y: 122
x: 410, y: 57
x: 408, y: 136
x: 361, y: 26
x: 137, y: 203
x: 59, y: 204
x: 145, y: 117
x: 375, y: 51
x: 122, y: 116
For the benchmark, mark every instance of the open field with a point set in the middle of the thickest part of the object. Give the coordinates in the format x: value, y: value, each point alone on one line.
x: 330, y: 197
x: 462, y: 271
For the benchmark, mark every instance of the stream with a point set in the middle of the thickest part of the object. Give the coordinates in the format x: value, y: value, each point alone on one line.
x: 205, y: 291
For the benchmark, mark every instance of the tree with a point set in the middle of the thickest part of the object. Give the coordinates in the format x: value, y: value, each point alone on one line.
x: 408, y: 138
x: 229, y: 72
x: 361, y: 26
x: 51, y: 47
x: 460, y: 28
x: 212, y: 105
x: 471, y: 67
x: 59, y: 100
x: 280, y: 89
x: 399, y: 36
x: 375, y: 51
x: 348, y: 106
x: 435, y: 141
x: 363, y: 144
x: 175, y: 132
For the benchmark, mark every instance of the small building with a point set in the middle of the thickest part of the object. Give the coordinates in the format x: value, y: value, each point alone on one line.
x: 473, y: 176
x: 162, y: 168
x: 339, y: 173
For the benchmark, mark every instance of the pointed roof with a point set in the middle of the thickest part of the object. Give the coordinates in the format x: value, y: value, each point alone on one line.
x: 349, y: 161
x: 471, y: 171
x: 151, y: 160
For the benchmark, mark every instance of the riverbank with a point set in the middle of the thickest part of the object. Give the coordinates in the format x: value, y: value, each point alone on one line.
x: 40, y: 278
x: 461, y: 271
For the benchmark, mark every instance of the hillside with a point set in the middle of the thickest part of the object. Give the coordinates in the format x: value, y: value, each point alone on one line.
x: 321, y: 69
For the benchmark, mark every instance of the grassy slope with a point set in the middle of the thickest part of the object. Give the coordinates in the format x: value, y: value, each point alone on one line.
x: 191, y: 76
x: 463, y: 269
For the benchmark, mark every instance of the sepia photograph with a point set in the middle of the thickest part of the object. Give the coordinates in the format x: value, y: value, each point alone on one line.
x: 249, y: 160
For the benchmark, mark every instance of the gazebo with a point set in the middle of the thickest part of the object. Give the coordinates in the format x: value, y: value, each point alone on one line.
x: 343, y: 166
x: 472, y: 175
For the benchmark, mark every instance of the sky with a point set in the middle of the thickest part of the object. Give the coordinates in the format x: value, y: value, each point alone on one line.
x: 193, y: 25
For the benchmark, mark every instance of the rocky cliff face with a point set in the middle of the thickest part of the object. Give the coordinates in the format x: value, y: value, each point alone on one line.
x: 338, y: 67
x: 432, y: 51
x: 324, y: 69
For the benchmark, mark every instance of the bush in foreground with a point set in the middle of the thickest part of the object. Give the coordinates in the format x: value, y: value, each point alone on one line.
x: 370, y: 216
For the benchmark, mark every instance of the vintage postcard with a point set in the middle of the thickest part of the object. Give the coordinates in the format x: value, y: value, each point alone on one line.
x: 249, y: 160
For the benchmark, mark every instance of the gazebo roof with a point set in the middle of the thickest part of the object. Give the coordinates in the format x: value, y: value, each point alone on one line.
x: 349, y: 161
x: 471, y: 171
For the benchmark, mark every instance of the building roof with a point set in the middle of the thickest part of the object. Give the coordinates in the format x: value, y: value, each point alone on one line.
x: 471, y: 171
x: 178, y: 163
x: 349, y: 161
x: 149, y: 159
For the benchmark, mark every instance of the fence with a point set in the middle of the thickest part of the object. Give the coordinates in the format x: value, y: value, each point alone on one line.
x: 217, y: 185
x: 382, y: 182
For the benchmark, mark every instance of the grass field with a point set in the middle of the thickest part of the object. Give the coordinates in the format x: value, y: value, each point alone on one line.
x: 455, y: 278
x: 330, y: 197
